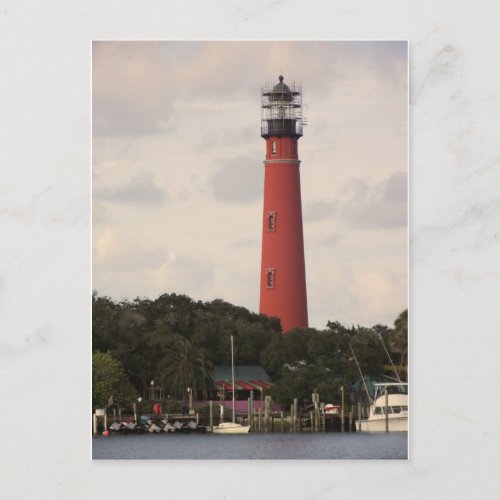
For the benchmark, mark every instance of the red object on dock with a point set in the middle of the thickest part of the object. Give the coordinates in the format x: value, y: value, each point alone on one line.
x: 105, y: 433
x: 157, y: 409
x: 283, y: 278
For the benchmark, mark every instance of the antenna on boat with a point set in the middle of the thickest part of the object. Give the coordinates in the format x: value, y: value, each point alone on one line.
x: 389, y: 356
x: 361, y: 374
x: 232, y: 375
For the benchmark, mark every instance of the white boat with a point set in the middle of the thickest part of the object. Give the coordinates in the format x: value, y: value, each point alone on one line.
x: 393, y: 414
x: 231, y: 427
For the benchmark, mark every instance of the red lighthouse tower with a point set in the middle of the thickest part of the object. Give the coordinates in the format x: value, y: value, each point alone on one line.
x: 283, y: 278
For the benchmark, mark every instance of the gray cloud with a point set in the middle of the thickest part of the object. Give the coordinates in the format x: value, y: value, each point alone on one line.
x: 189, y: 274
x: 247, y: 242
x: 396, y: 188
x: 239, y: 180
x: 213, y: 140
x: 320, y: 210
x: 113, y: 255
x: 329, y: 240
x: 126, y: 102
x: 381, y: 206
x: 140, y: 189
x: 119, y: 117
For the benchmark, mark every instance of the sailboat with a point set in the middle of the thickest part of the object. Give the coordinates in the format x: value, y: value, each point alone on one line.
x: 231, y: 427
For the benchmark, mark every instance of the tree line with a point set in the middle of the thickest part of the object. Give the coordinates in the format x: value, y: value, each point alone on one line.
x: 176, y: 341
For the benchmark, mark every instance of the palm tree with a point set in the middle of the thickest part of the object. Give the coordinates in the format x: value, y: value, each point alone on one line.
x: 183, y: 366
x: 399, y: 337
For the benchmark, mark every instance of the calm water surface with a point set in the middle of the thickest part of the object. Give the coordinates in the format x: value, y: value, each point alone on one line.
x: 253, y: 446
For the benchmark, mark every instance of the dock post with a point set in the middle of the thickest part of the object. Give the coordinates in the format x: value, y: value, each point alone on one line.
x: 295, y: 408
x: 386, y: 410
x: 342, y: 410
x: 260, y: 418
x: 323, y: 417
x: 211, y: 415
x: 119, y: 414
x: 249, y: 413
x: 360, y: 416
x: 267, y: 409
x: 95, y: 425
x: 350, y: 419
x: 311, y: 415
x: 105, y: 420
x: 252, y: 412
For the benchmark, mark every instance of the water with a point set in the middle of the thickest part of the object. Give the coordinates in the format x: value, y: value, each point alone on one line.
x: 253, y: 446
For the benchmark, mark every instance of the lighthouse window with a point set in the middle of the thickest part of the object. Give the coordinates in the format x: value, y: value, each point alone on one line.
x: 271, y: 221
x: 273, y: 147
x: 270, y: 278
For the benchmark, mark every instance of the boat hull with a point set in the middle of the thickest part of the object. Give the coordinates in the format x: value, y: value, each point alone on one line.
x: 396, y: 424
x: 230, y: 428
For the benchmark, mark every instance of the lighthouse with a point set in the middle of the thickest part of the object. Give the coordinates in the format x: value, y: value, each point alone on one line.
x: 282, y: 276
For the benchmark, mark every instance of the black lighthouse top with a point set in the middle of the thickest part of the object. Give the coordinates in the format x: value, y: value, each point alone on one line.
x: 281, y: 110
x: 281, y: 91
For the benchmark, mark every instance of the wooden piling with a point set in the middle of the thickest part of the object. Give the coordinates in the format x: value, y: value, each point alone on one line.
x: 249, y: 411
x: 267, y: 410
x: 105, y: 420
x: 312, y: 420
x: 252, y: 412
x: 95, y: 425
x: 260, y: 419
x: 342, y: 410
x: 360, y: 416
x: 386, y: 410
x: 350, y: 419
x: 211, y: 415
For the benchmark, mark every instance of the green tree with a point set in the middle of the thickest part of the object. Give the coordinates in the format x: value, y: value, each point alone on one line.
x: 108, y: 377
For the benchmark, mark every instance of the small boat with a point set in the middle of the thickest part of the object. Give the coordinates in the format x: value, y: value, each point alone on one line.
x: 191, y: 425
x: 394, y: 414
x: 177, y: 426
x: 231, y: 427
x: 154, y: 428
x: 332, y: 409
x: 169, y: 427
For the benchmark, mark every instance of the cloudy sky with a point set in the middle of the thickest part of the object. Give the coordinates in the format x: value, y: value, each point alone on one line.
x: 178, y: 172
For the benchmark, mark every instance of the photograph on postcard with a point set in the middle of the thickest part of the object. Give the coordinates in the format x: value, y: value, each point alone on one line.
x: 250, y: 250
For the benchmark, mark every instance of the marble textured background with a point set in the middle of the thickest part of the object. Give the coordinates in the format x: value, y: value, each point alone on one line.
x: 45, y: 247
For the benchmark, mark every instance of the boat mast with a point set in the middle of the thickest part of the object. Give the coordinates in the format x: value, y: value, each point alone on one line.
x: 361, y: 373
x: 232, y: 375
x: 389, y: 356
